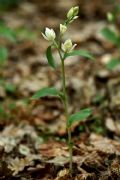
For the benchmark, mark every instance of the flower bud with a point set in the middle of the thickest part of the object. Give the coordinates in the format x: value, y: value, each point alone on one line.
x: 76, y: 10
x: 68, y: 46
x: 73, y: 12
x: 49, y: 34
x: 110, y: 17
x: 70, y: 13
x: 63, y: 29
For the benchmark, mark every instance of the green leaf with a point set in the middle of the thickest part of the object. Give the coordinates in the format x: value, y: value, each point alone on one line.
x: 81, y: 52
x: 79, y: 116
x: 45, y: 92
x: 111, y: 36
x: 10, y: 88
x: 50, y: 58
x: 7, y: 33
x: 112, y: 64
x: 3, y: 55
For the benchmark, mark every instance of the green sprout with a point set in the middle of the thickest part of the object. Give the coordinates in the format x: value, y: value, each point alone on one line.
x: 7, y: 34
x: 65, y: 50
x: 112, y: 34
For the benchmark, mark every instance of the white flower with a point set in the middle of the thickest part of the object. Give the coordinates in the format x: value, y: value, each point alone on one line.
x: 68, y: 46
x: 63, y: 29
x: 73, y: 12
x: 49, y: 34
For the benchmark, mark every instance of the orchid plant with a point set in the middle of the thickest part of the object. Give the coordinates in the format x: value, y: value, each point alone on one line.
x: 65, y: 49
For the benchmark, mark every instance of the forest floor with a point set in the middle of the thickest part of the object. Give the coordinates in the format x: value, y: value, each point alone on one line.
x: 33, y: 133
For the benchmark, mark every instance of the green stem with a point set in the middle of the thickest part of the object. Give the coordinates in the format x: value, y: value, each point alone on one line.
x: 65, y: 101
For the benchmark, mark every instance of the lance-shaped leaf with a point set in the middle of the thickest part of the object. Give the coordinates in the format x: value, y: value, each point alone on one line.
x: 111, y: 36
x: 81, y: 52
x: 50, y: 58
x: 79, y: 116
x: 46, y: 92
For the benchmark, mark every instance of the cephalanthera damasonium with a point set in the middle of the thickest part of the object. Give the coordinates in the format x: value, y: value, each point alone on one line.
x: 65, y: 49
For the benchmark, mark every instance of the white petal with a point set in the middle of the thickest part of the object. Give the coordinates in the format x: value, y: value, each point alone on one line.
x: 44, y: 36
x: 67, y: 45
x: 75, y: 17
x: 63, y: 47
x: 47, y: 31
x: 63, y: 29
x: 68, y: 42
x: 50, y: 34
x: 53, y: 33
x: 73, y: 47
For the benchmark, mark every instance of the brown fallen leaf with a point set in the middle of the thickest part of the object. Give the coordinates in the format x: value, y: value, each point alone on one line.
x: 63, y: 175
x: 54, y: 149
x: 105, y: 145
